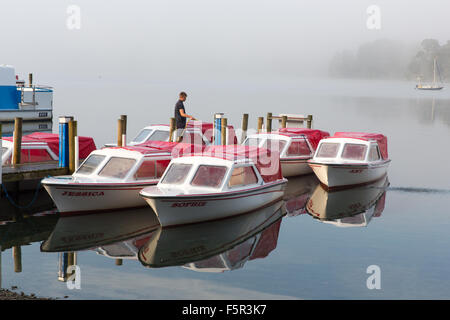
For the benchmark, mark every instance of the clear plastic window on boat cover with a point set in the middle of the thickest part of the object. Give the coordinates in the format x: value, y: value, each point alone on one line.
x: 151, y: 169
x: 117, y: 167
x: 91, y: 164
x: 142, y: 135
x: 176, y: 174
x: 242, y: 176
x: 354, y: 151
x: 252, y: 142
x: 328, y: 150
x: 159, y: 135
x: 34, y: 155
x: 298, y: 148
x: 193, y: 138
x: 209, y: 176
x: 274, y: 145
x: 374, y: 153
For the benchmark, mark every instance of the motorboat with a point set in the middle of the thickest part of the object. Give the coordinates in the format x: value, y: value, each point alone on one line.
x: 111, y: 178
x: 215, y: 246
x: 295, y: 145
x: 42, y: 147
x: 197, y: 132
x: 220, y: 182
x: 349, y: 159
x: 349, y: 207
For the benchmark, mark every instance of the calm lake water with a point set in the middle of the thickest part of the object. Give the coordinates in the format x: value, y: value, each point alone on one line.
x: 315, y: 245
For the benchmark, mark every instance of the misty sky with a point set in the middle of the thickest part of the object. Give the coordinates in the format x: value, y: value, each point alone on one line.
x: 177, y: 38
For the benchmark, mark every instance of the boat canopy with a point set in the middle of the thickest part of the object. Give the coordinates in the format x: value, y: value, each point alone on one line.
x: 378, y: 137
x: 266, y: 161
x: 86, y: 144
x: 176, y: 148
x: 313, y: 135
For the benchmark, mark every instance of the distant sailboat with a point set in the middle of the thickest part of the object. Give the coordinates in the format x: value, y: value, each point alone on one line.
x: 432, y: 86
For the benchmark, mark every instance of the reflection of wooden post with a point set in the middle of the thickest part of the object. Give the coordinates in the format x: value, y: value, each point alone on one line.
x: 124, y: 132
x: 72, y: 134
x: 260, y: 124
x: 119, y: 262
x: 269, y: 122
x: 244, y: 127
x: 17, y: 140
x: 309, y: 121
x: 17, y: 254
x: 0, y: 266
x: 224, y: 131
x: 120, y: 125
x: 172, y: 129
x: 283, y: 121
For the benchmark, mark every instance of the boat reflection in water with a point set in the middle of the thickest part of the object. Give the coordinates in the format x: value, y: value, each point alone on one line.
x: 297, y: 193
x: 215, y: 246
x: 351, y: 207
x: 82, y: 232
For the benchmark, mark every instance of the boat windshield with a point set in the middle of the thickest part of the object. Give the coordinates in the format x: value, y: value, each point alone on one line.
x: 209, y: 176
x: 242, y: 176
x: 298, y: 148
x: 117, y: 167
x: 142, y: 135
x: 90, y: 164
x: 328, y: 150
x: 159, y: 135
x: 274, y: 144
x: 354, y: 151
x: 254, y: 142
x: 177, y: 173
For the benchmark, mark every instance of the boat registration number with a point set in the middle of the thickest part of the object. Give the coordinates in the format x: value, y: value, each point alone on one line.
x: 189, y: 204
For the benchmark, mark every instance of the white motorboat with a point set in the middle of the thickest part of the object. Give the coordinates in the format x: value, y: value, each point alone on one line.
x: 295, y: 145
x: 222, y: 181
x: 350, y: 207
x: 215, y: 246
x: 42, y: 147
x: 197, y: 132
x: 350, y: 159
x: 111, y: 178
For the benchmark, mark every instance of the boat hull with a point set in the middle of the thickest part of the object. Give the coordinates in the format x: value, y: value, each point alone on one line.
x: 181, y: 210
x: 334, y: 176
x: 297, y: 167
x: 84, y: 198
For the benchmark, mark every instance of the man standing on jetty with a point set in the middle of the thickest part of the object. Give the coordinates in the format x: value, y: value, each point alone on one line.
x: 180, y: 115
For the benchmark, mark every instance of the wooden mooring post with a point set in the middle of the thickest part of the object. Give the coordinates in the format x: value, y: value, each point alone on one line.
x: 124, y: 129
x: 17, y: 141
x: 244, y: 127
x: 120, y: 128
x: 283, y: 121
x: 224, y: 123
x: 309, y: 121
x: 72, y: 148
x: 269, y: 122
x: 172, y: 129
x: 260, y: 124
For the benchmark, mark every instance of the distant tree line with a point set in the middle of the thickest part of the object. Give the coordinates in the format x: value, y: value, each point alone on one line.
x: 390, y: 59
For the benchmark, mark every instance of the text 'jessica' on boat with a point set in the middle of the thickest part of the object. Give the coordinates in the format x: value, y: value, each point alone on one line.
x: 220, y: 182
x: 349, y: 159
x: 215, y: 246
x: 111, y: 178
x: 295, y: 145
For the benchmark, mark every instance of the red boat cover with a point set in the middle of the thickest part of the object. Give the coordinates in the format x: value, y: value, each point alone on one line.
x: 378, y: 137
x: 86, y: 144
x: 313, y: 135
x: 267, y: 162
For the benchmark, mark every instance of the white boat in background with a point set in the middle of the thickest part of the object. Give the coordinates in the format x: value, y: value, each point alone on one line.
x: 350, y: 207
x: 295, y: 145
x: 215, y: 246
x: 111, y: 178
x: 433, y: 86
x: 31, y: 103
x: 197, y: 132
x: 350, y: 159
x: 222, y: 181
x: 42, y: 147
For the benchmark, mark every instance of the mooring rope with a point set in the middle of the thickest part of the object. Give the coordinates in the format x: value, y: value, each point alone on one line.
x: 36, y: 193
